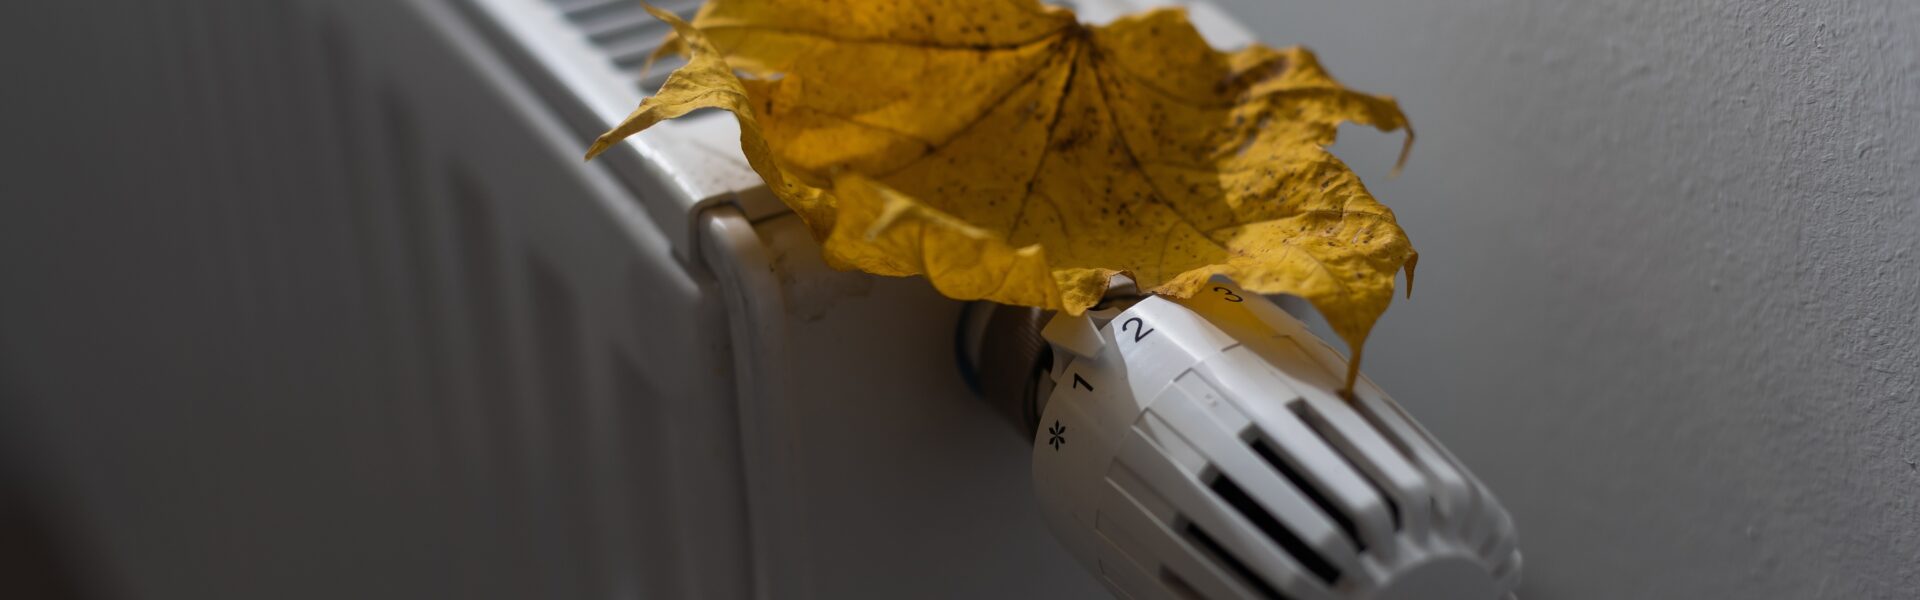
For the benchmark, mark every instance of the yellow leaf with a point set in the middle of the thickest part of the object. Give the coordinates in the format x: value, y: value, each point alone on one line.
x: 1007, y: 152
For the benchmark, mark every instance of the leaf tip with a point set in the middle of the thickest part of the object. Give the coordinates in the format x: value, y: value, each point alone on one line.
x: 1400, y: 164
x: 599, y: 146
x: 1413, y: 260
x: 1353, y: 374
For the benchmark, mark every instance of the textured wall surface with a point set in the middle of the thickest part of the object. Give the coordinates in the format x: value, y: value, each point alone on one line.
x: 1669, y: 301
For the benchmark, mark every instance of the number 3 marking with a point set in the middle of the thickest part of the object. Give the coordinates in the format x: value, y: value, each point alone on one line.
x: 1231, y: 297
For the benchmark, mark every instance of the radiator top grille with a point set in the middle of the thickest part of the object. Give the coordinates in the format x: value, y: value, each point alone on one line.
x: 624, y: 33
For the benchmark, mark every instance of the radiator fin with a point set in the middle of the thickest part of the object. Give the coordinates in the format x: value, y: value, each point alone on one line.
x: 626, y: 34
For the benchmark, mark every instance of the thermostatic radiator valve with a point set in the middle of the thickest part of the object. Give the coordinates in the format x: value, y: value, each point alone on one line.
x: 1201, y: 448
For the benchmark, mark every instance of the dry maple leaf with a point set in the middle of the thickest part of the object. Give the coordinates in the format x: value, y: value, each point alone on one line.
x: 1010, y: 153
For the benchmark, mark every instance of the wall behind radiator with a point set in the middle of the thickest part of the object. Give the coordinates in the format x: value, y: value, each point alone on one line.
x: 1670, y: 278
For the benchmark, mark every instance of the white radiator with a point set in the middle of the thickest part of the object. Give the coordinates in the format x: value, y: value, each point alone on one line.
x: 317, y: 299
x: 350, y: 318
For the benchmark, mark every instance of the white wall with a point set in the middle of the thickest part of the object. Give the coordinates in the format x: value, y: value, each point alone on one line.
x: 1670, y: 278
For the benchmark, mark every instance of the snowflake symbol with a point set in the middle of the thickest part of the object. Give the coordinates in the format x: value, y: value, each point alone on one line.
x: 1059, y: 435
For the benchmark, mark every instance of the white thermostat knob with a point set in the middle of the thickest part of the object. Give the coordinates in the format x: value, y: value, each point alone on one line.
x: 1200, y: 448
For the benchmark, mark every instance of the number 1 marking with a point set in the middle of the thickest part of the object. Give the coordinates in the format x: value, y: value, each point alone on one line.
x: 1078, y: 382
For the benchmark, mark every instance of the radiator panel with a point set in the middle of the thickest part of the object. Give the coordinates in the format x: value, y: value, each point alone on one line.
x: 389, y: 337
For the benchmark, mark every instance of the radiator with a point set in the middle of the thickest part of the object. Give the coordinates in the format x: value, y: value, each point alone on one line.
x: 316, y: 299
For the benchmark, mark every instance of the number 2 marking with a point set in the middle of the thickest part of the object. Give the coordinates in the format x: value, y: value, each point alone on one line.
x: 1231, y: 297
x: 1078, y: 382
x: 1140, y: 329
